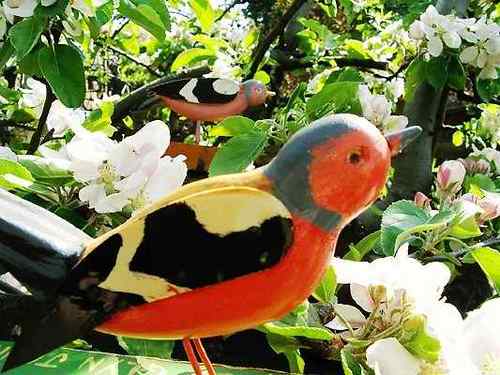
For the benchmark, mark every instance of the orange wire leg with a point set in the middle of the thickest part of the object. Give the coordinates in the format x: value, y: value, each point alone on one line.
x: 197, y: 133
x: 204, y: 357
x: 191, y: 356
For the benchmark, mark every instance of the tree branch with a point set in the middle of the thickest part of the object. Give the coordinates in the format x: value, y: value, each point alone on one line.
x: 37, y: 135
x: 228, y: 9
x: 277, y: 30
x: 135, y: 61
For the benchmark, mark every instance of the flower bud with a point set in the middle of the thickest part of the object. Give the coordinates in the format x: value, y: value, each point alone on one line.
x: 493, y: 156
x: 450, y: 176
x: 491, y: 206
x: 422, y: 200
x: 473, y: 166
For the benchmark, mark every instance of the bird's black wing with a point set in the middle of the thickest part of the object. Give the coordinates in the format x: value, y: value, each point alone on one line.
x: 199, y: 90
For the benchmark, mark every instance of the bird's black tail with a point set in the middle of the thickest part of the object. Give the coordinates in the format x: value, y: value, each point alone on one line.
x: 37, y: 251
x: 37, y: 247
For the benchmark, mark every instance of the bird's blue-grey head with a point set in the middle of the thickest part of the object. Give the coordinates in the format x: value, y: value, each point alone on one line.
x: 256, y: 92
x: 331, y: 170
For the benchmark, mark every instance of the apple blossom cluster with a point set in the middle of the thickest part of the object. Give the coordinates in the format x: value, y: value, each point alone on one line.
x: 410, y: 329
x: 377, y: 109
x: 26, y: 8
x: 122, y: 175
x: 477, y: 40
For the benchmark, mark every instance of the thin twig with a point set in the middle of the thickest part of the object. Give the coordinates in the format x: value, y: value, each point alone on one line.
x: 119, y: 30
x: 135, y: 61
x: 37, y: 135
x: 228, y: 9
x: 264, y: 44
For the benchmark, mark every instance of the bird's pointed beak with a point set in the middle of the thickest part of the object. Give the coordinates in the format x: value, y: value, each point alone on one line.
x: 400, y: 139
x: 270, y: 94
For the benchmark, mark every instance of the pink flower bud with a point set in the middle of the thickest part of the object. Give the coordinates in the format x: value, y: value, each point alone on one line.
x: 422, y: 201
x: 475, y: 165
x: 450, y: 176
x: 491, y: 206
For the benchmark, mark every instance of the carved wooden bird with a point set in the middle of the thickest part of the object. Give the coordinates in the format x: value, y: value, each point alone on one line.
x: 218, y: 256
x: 211, y: 99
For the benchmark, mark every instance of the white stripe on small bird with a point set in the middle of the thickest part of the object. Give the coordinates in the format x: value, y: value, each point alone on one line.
x: 226, y: 87
x: 187, y: 91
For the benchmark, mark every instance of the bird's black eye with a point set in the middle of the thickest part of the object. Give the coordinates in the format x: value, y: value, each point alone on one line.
x: 354, y: 157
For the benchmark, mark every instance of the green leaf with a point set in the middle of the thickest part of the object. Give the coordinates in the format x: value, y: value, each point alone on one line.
x: 314, y: 333
x: 356, y: 49
x: 204, y: 12
x: 489, y: 88
x: 29, y: 64
x: 44, y: 171
x: 9, y: 94
x: 161, y: 9
x: 62, y: 67
x: 24, y: 35
x: 419, y: 342
x: 466, y: 225
x: 237, y: 154
x: 358, y: 251
x: 148, y: 348
x: 100, y: 119
x: 233, y: 126
x: 436, y: 71
x: 262, y: 76
x: 342, y: 96
x: 415, y: 75
x: 489, y: 261
x: 456, y: 74
x: 458, y: 138
x: 213, y: 44
x: 295, y: 362
x: 56, y: 9
x: 145, y: 16
x: 325, y: 291
x: 479, y: 181
x: 349, y: 364
x: 6, y: 52
x: 65, y: 361
x: 397, y: 218
x: 345, y: 75
x: 13, y: 175
x: 190, y: 57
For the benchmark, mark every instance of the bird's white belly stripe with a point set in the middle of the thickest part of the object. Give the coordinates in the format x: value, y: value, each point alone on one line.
x: 187, y: 91
x: 226, y: 86
x: 121, y: 279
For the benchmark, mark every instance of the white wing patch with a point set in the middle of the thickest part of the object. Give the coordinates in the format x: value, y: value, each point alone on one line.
x: 187, y: 91
x: 226, y: 87
x: 234, y: 209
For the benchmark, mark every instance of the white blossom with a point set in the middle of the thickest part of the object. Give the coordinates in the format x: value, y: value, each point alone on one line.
x: 7, y: 153
x: 438, y: 30
x: 19, y: 8
x: 61, y: 118
x: 33, y: 96
x: 377, y: 109
x: 130, y: 173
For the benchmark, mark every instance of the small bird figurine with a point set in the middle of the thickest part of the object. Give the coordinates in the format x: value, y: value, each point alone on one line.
x: 210, y: 99
x: 217, y: 256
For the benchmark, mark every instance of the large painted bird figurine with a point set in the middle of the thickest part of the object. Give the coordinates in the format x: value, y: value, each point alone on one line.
x: 210, y: 99
x: 218, y: 256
